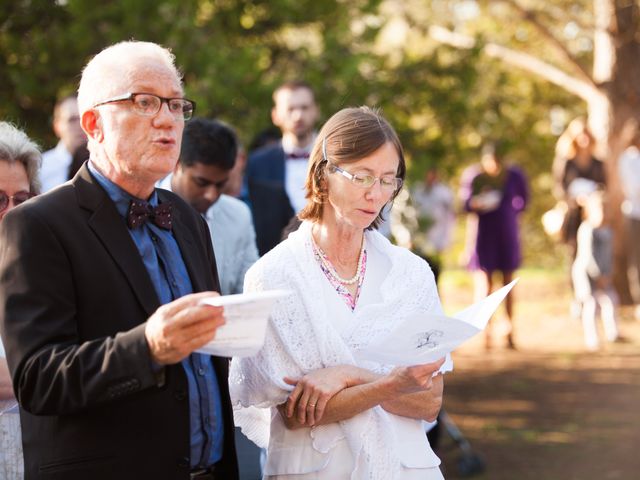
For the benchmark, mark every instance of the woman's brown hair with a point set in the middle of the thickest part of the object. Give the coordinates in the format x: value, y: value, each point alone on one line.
x: 348, y: 136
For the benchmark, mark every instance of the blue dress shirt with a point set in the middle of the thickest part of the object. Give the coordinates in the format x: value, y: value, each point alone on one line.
x: 164, y: 263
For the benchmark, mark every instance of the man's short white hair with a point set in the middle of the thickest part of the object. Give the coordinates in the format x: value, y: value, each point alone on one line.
x: 115, y: 62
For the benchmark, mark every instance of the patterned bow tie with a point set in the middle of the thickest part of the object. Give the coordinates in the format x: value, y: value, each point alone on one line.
x: 140, y: 211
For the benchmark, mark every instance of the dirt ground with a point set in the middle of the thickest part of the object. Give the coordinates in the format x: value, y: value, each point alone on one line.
x: 549, y: 410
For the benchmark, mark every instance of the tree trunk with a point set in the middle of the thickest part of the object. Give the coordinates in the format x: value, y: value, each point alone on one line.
x: 616, y: 70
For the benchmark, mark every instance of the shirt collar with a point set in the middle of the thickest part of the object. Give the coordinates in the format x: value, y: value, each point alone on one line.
x: 117, y: 194
x: 289, y: 148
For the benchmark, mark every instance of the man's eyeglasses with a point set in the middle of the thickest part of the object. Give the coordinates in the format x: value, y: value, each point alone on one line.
x: 148, y: 104
x: 388, y: 183
x: 18, y: 198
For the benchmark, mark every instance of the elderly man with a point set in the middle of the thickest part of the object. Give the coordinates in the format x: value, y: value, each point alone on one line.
x: 96, y: 306
x: 276, y: 174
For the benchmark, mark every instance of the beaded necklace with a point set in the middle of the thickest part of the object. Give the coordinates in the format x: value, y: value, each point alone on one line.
x: 331, y: 269
x: 340, y: 284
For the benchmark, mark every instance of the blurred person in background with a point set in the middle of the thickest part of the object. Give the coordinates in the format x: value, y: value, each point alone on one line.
x: 57, y: 163
x: 275, y: 174
x: 19, y: 163
x: 576, y: 170
x: 423, y: 217
x: 629, y: 170
x: 207, y: 157
x: 495, y: 194
x: 591, y: 271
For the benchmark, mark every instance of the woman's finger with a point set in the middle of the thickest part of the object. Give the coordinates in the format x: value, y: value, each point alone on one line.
x: 293, y: 399
x: 303, y: 406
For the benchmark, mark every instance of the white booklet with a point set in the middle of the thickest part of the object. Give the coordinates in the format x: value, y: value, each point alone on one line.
x: 425, y: 338
x: 246, y: 316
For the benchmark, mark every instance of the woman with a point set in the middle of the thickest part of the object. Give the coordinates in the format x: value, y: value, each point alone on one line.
x: 496, y: 194
x: 19, y: 163
x: 577, y: 172
x: 332, y: 416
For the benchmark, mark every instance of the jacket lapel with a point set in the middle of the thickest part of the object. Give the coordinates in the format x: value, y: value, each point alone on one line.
x: 110, y: 228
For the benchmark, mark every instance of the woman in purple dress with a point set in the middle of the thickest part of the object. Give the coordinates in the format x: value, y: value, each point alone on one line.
x: 495, y: 194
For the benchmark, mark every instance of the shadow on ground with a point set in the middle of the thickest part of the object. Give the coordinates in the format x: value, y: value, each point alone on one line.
x: 547, y: 416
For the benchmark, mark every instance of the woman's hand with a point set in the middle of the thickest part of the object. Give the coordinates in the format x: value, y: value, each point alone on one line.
x: 413, y: 379
x: 312, y: 392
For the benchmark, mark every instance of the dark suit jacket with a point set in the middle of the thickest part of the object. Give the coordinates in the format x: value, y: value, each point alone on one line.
x: 74, y: 296
x: 270, y: 204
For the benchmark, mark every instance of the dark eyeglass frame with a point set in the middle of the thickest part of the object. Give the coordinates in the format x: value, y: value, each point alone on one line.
x: 368, y: 180
x: 6, y: 198
x: 188, y: 106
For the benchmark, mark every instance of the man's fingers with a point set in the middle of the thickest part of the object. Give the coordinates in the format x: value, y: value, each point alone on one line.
x: 180, y: 305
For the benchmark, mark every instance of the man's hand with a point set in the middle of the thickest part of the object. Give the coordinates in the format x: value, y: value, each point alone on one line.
x: 182, y: 326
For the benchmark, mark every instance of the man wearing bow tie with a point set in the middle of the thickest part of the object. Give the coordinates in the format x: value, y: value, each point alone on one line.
x: 97, y: 305
x: 276, y: 174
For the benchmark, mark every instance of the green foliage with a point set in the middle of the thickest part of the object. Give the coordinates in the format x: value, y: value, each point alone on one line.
x: 443, y: 101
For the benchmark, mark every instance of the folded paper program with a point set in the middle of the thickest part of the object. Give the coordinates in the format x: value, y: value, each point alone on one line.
x: 246, y: 318
x: 425, y: 338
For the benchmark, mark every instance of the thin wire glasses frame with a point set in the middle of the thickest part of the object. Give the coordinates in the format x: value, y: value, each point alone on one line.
x: 149, y: 104
x: 363, y: 180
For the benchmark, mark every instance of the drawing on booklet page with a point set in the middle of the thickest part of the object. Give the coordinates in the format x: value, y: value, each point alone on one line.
x: 428, y: 339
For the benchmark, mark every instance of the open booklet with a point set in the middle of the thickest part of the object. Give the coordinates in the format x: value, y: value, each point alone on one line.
x: 246, y: 316
x: 425, y: 338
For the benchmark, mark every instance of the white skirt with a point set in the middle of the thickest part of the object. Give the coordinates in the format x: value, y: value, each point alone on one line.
x: 340, y: 467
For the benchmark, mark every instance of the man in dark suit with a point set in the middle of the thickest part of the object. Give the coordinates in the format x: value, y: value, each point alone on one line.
x: 276, y: 174
x: 97, y: 310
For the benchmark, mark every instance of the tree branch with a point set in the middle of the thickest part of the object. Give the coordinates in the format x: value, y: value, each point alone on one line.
x: 525, y: 61
x: 531, y: 17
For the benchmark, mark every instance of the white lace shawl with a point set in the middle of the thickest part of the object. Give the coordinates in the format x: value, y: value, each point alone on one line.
x: 300, y: 339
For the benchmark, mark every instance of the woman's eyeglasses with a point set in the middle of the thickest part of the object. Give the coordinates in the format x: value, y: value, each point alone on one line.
x: 388, y: 183
x: 18, y: 198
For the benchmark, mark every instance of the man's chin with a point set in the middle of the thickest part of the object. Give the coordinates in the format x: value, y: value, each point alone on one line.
x: 200, y: 208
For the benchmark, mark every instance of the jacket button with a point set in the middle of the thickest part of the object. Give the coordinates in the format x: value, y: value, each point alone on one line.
x: 180, y: 394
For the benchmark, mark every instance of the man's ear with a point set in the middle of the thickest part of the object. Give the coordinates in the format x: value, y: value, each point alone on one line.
x: 274, y: 117
x: 92, y: 125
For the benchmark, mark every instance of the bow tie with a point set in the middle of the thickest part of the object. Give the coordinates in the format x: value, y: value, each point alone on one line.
x: 298, y: 156
x: 140, y: 211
